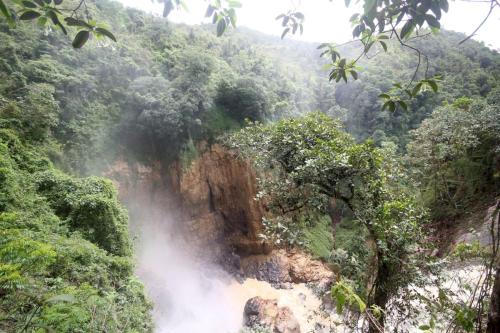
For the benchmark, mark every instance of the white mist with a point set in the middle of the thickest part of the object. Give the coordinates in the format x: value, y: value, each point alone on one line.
x: 189, y: 296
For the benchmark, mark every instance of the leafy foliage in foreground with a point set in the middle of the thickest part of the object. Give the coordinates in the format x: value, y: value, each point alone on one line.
x: 65, y: 254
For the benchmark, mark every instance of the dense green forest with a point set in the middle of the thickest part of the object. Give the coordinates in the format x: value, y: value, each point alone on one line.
x: 66, y: 259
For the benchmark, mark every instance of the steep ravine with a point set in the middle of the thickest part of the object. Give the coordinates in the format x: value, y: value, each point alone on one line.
x: 198, y: 249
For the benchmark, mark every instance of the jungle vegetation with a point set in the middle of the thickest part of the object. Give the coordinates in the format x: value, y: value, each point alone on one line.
x: 66, y: 257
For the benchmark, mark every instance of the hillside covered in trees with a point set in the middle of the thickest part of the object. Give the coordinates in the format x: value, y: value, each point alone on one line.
x: 357, y: 187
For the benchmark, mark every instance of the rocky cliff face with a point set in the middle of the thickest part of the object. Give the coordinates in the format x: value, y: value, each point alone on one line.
x: 218, y: 192
x: 212, y: 205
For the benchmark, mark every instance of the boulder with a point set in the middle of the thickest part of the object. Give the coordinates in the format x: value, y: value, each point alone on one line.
x: 282, y: 267
x: 264, y: 312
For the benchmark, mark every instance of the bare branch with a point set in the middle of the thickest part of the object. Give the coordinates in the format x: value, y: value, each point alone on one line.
x: 492, y: 6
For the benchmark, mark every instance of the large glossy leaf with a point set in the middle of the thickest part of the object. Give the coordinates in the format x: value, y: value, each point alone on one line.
x: 221, y: 27
x: 29, y: 15
x: 106, y: 33
x: 407, y: 29
x: 55, y: 19
x: 432, y: 21
x: 77, y: 23
x: 81, y: 38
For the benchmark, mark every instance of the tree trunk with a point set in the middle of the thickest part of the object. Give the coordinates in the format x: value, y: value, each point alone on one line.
x: 493, y: 325
x: 494, y: 314
x: 381, y: 296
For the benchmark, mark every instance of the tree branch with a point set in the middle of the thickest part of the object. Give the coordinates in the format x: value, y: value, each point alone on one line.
x: 492, y: 6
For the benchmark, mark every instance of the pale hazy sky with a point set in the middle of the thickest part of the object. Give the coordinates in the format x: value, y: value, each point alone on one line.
x: 329, y: 21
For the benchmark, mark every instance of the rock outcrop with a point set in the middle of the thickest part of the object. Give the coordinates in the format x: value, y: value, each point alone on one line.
x: 217, y: 193
x: 478, y: 229
x: 261, y: 312
x: 281, y: 267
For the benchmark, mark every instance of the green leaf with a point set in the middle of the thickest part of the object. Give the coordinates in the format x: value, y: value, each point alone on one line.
x: 286, y: 19
x: 433, y: 85
x: 436, y: 9
x: 167, y: 8
x: 344, y: 76
x: 299, y: 15
x: 29, y: 4
x: 81, y: 38
x: 384, y: 95
x: 210, y: 11
x: 403, y: 105
x: 221, y: 27
x: 369, y: 5
x: 78, y: 23
x: 55, y: 19
x: 416, y: 89
x: 354, y: 74
x: 357, y: 30
x: 341, y: 299
x: 285, y: 32
x: 407, y: 29
x: 392, y: 106
x: 432, y: 323
x: 444, y: 5
x: 384, y: 45
x: 361, y: 304
x: 432, y: 21
x: 6, y: 12
x: 106, y: 33
x: 385, y: 105
x: 29, y: 15
x: 424, y: 327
